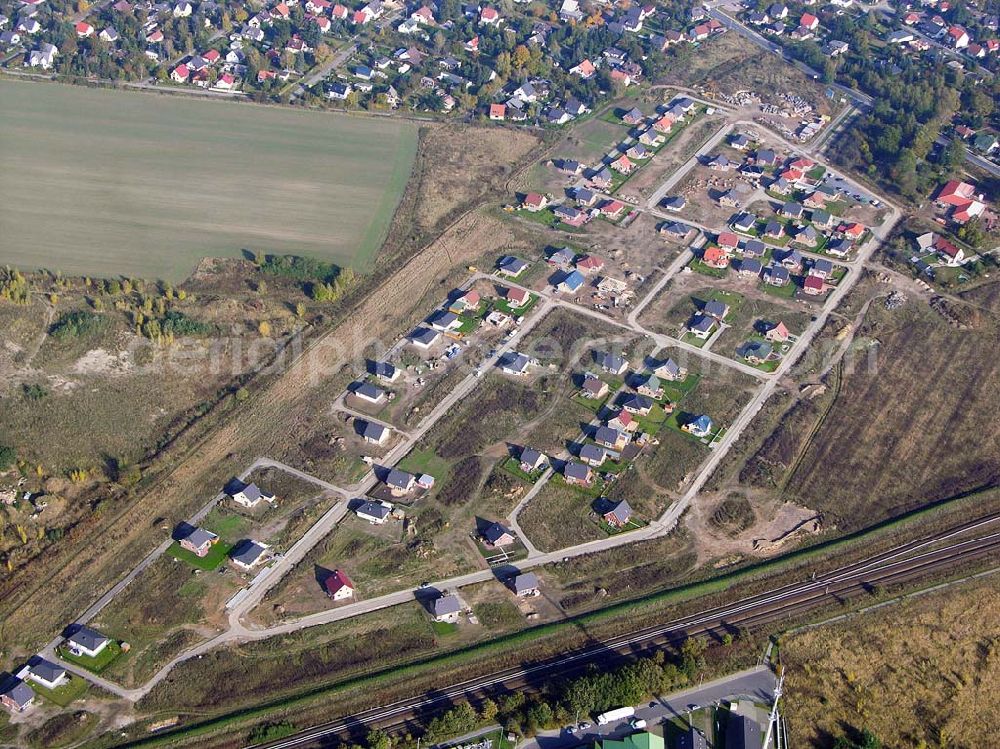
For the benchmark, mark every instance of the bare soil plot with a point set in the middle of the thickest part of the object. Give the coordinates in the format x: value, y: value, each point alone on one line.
x: 561, y: 515
x: 674, y: 155
x: 182, y: 167
x: 701, y: 187
x: 911, y: 673
x: 896, y: 436
x: 326, y: 444
x: 594, y: 580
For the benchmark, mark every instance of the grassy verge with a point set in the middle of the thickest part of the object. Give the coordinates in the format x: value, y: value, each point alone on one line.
x: 215, y: 556
x: 98, y: 664
x: 63, y: 695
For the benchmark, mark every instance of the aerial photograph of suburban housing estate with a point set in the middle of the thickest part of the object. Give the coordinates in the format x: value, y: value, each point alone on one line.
x: 514, y: 374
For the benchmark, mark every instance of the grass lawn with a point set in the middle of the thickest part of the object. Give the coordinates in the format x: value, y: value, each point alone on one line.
x: 504, y: 306
x: 676, y: 391
x: 93, y: 151
x: 97, y: 665
x: 785, y: 292
x: 426, y: 461
x: 513, y: 467
x: 216, y: 555
x: 653, y: 421
x: 444, y: 628
x: 706, y: 270
x: 63, y: 695
x: 694, y: 340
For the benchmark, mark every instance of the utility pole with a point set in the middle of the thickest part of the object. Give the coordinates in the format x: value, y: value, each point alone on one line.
x: 774, y: 711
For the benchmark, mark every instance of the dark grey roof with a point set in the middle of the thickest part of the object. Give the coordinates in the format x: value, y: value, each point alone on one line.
x: 621, y: 511
x: 373, y: 430
x: 530, y: 455
x: 423, y: 335
x: 638, y: 401
x: 373, y: 509
x: 525, y: 582
x: 754, y: 247
x: 446, y: 604
x: 399, y: 479
x: 252, y: 492
x: 590, y: 452
x: 383, y: 369
x: 715, y: 308
x: 693, y: 739
x: 367, y: 390
x: 514, y: 361
x: 494, y: 532
x: 611, y: 362
x: 576, y: 471
x: 606, y: 435
x: 701, y: 323
x: 670, y: 366
x: 247, y: 552
x: 823, y: 265
x: 512, y: 264
x: 88, y: 638
x: 198, y: 537
x: 742, y: 733
x: 751, y: 265
x: 46, y: 670
x: 20, y: 693
x: 443, y: 318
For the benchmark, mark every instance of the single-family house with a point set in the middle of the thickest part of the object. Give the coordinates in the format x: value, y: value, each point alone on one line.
x: 611, y: 362
x: 675, y: 203
x: 813, y: 285
x: 700, y: 426
x: 532, y: 460
x: 821, y: 267
x: 585, y: 69
x: 496, y: 535
x: 777, y: 275
x: 715, y: 257
x: 44, y: 673
x: 17, y: 696
x: 618, y: 515
x: 339, y: 586
x: 248, y: 553
x: 611, y: 438
x: 88, y: 642
x: 513, y: 363
x: 750, y: 267
x: 248, y: 495
x: 446, y: 608
x: 590, y: 264
x: 638, y: 404
x: 777, y: 333
x: 715, y: 308
x: 671, y: 370
x: 423, y: 338
x: 511, y: 266
x: 374, y: 433
x: 593, y: 388
x: 525, y: 584
x: 701, y: 326
x: 571, y: 282
x: 791, y: 210
x: 369, y: 393
x: 754, y: 248
x: 577, y: 473
x: 649, y: 384
x: 199, y: 541
x: 593, y: 455
x: 534, y: 202
x: 623, y: 421
x: 400, y: 482
x: 374, y: 511
x: 755, y: 351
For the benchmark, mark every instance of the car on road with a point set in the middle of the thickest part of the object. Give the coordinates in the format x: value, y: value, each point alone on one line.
x: 637, y: 724
x: 583, y: 726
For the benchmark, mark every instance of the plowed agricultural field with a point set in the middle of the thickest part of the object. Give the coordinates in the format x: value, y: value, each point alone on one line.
x: 110, y: 183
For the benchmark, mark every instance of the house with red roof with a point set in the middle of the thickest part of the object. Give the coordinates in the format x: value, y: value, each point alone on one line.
x: 777, y: 334
x: 955, y: 193
x: 813, y: 285
x: 472, y: 45
x: 584, y: 69
x: 590, y: 264
x: 968, y: 211
x: 517, y: 297
x: 211, y: 57
x: 851, y: 231
x: 612, y: 208
x: 958, y: 38
x: 339, y: 586
x: 623, y: 165
x: 498, y: 112
x: 489, y: 16
x: 339, y: 12
x: 664, y: 124
x: 534, y: 202
x: 84, y: 30
x: 180, y: 74
x: 728, y: 241
x: 226, y: 82
x: 715, y: 257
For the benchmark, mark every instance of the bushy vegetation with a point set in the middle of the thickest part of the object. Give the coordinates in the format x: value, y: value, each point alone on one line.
x: 298, y: 268
x: 78, y: 324
x: 7, y: 457
x: 271, y: 731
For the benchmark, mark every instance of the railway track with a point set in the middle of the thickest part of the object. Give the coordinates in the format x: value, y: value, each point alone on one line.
x: 904, y: 563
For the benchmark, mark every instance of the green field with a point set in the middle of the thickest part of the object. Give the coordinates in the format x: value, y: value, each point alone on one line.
x: 111, y: 183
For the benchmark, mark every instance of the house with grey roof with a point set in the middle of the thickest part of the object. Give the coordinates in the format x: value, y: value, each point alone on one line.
x: 619, y: 514
x: 715, y: 308
x: 670, y: 370
x: 511, y: 266
x: 776, y: 275
x: 248, y: 553
x: 444, y: 321
x: 701, y: 326
x: 513, y: 363
x: 531, y: 460
x: 368, y: 392
x: 375, y: 433
x: 17, y: 696
x: 446, y: 608
x: 87, y: 641
x: 593, y: 455
x: 424, y: 337
x: 611, y: 438
x: 248, y: 495
x: 44, y: 672
x: 496, y: 534
x: 525, y: 584
x: 375, y: 512
x: 577, y: 473
x: 612, y: 363
x: 638, y: 403
x: 400, y: 482
x: 198, y: 541
x: 754, y: 248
